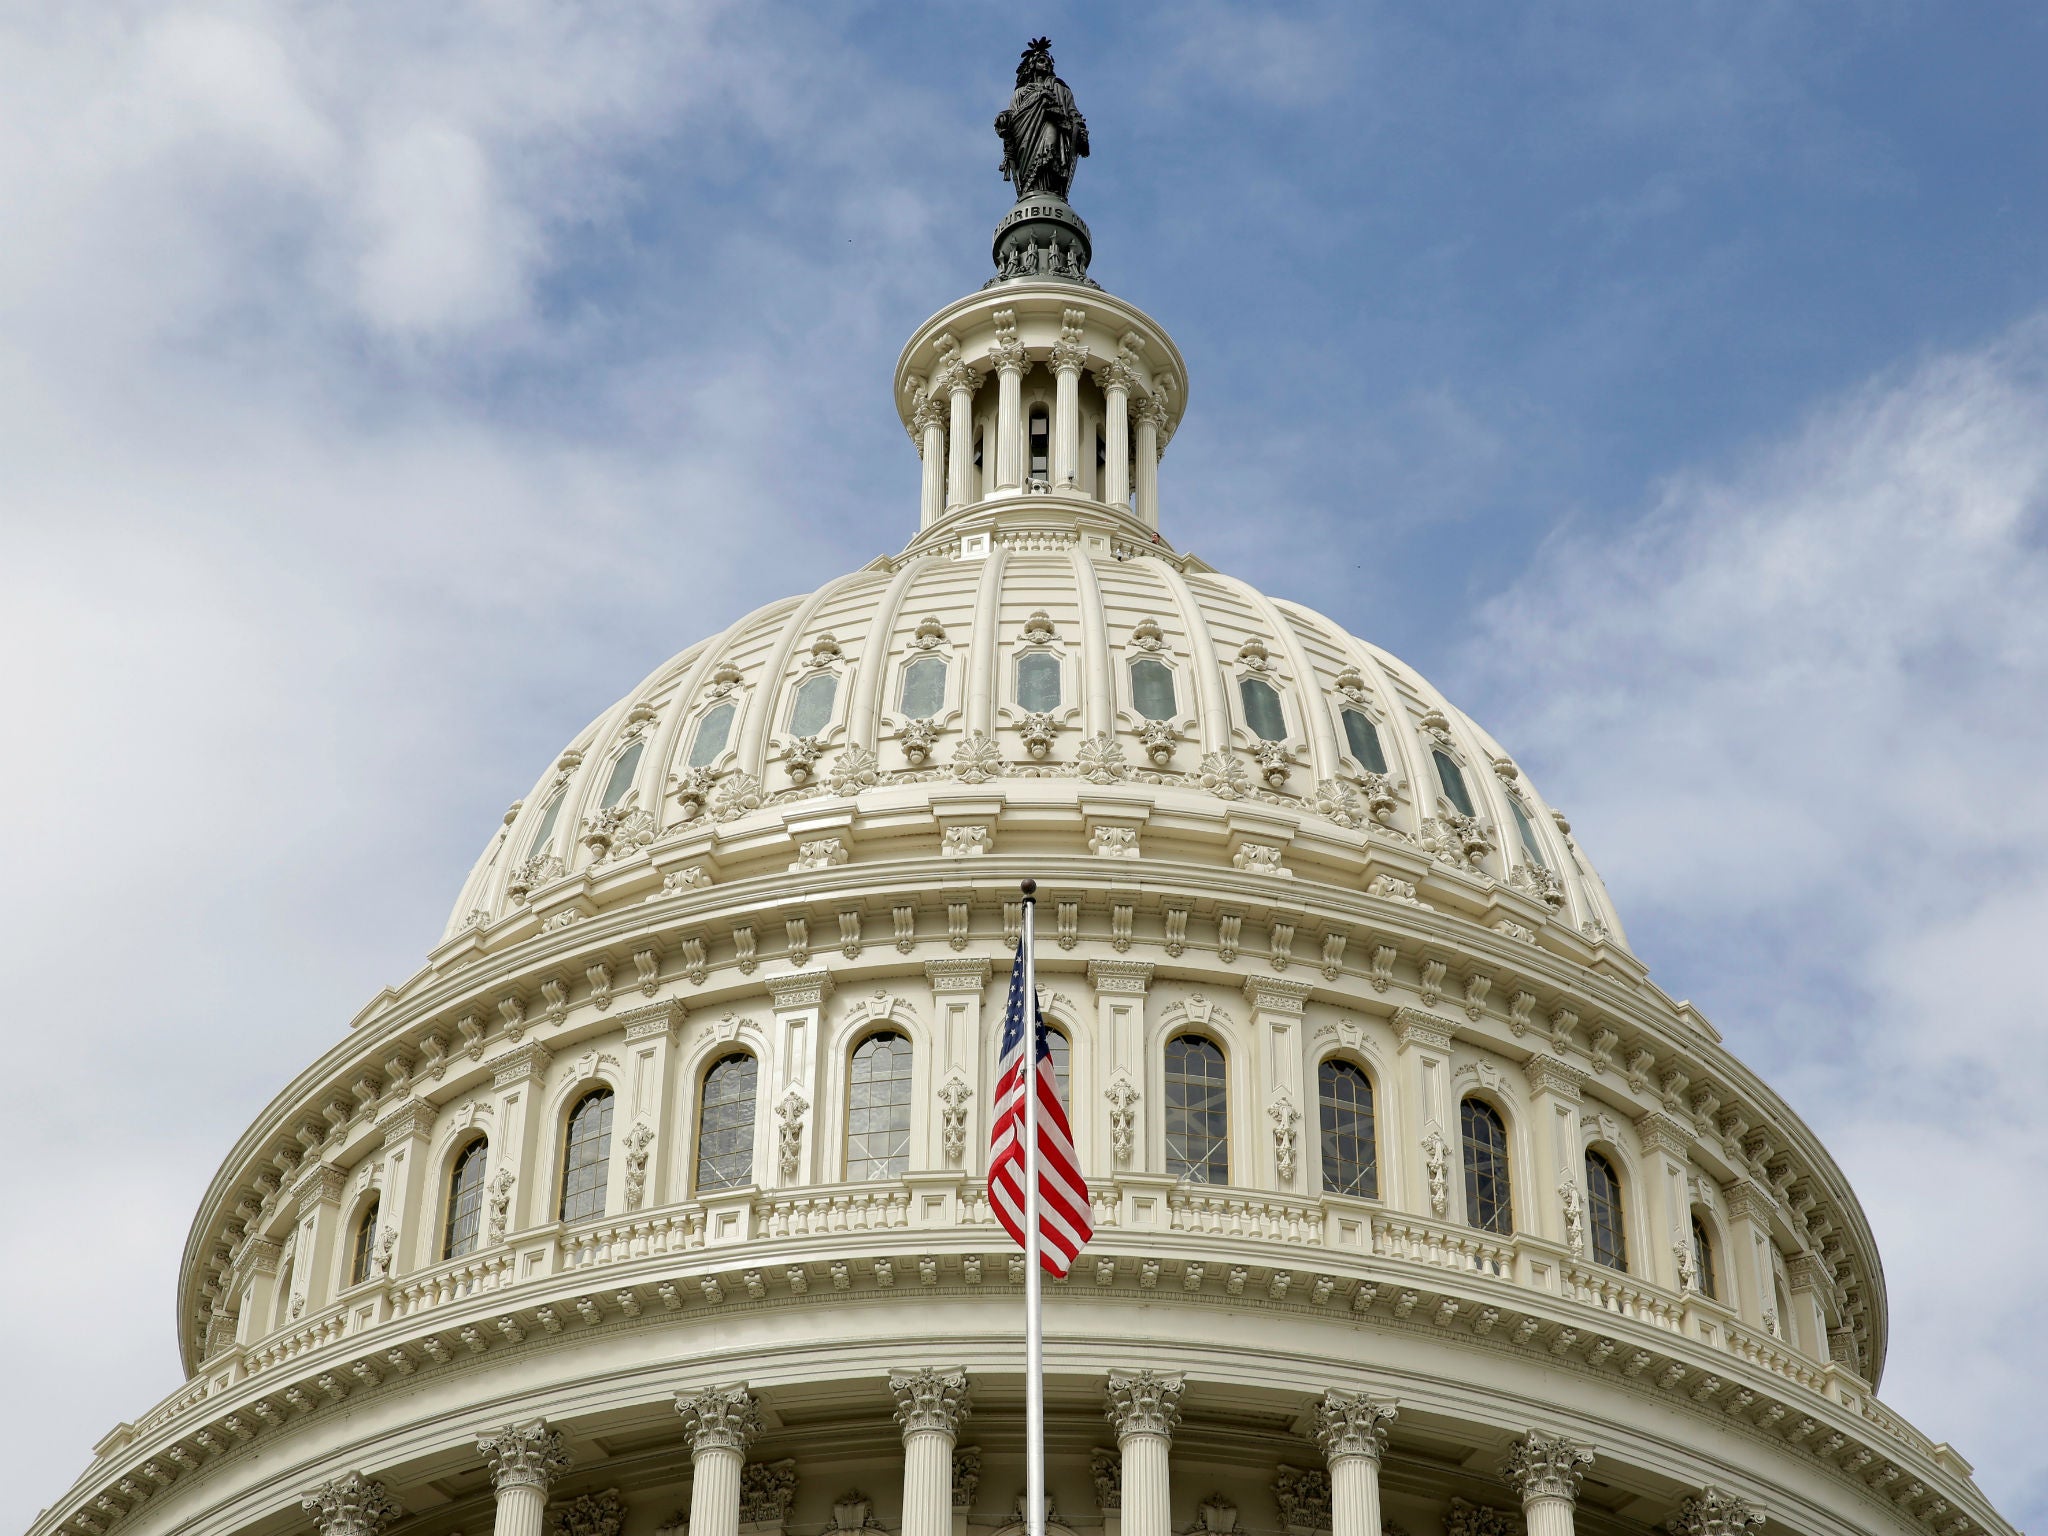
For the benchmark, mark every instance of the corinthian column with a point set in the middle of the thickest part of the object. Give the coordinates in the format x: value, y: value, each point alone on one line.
x: 525, y: 1460
x: 1352, y: 1430
x: 721, y: 1423
x: 929, y: 422
x: 351, y: 1505
x: 1068, y: 358
x: 1710, y: 1512
x: 1115, y: 379
x: 960, y: 382
x: 1146, y: 411
x: 1008, y: 357
x: 1545, y: 1470
x: 1144, y: 1406
x: 929, y: 1405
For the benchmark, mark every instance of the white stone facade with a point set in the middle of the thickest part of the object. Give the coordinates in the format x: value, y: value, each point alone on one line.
x: 809, y: 830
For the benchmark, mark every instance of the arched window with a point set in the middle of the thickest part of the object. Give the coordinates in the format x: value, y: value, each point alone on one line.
x: 1452, y: 777
x: 548, y: 818
x: 1603, y: 1213
x: 1262, y: 711
x: 924, y: 687
x: 1197, y: 1116
x: 1364, y: 740
x: 1038, y: 682
x: 1056, y: 1046
x: 1703, y: 1260
x: 587, y: 1155
x: 1152, y: 688
x: 878, y: 1109
x: 364, y: 1248
x: 725, y: 1124
x: 1528, y: 833
x: 1350, y: 1166
x: 621, y: 779
x: 812, y: 711
x: 1041, y: 444
x: 1489, y: 1200
x: 712, y: 732
x: 465, y: 1201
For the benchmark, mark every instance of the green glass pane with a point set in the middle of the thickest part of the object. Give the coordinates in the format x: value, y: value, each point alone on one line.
x: 1152, y: 688
x: 712, y: 732
x: 1038, y: 682
x: 1262, y: 710
x: 924, y: 687
x: 621, y: 778
x: 1364, y: 740
x: 813, y: 711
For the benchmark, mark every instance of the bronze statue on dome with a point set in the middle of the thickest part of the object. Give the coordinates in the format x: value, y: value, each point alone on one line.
x: 1043, y: 132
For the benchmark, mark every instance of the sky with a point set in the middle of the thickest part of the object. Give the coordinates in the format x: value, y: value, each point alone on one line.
x: 386, y: 388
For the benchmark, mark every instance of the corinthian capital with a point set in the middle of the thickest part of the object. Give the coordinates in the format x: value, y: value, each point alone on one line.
x: 524, y: 1456
x: 351, y: 1505
x: 1710, y: 1512
x: 719, y: 1418
x: 1541, y: 1466
x: 1144, y: 1403
x: 929, y: 1399
x: 1352, y: 1424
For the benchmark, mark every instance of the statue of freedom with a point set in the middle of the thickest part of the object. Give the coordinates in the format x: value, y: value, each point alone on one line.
x: 1043, y: 132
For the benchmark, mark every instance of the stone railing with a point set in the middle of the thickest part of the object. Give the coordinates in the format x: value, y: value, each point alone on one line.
x: 1213, y: 1212
x: 455, y: 1280
x: 1447, y: 1247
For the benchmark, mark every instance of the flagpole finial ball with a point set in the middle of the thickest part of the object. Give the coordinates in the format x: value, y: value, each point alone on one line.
x: 1030, y: 887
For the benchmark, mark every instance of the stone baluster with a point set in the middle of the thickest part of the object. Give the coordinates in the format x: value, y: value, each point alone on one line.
x: 1116, y: 380
x: 1147, y: 410
x: 929, y: 1406
x: 1710, y: 1512
x: 929, y: 422
x: 351, y: 1505
x: 1545, y: 1470
x: 1069, y: 356
x: 960, y: 382
x: 1144, y: 1407
x: 1351, y: 1428
x: 1008, y: 357
x: 525, y: 1460
x: 721, y: 1422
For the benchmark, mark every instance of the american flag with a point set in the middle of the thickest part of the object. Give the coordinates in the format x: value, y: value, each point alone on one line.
x: 1063, y: 1224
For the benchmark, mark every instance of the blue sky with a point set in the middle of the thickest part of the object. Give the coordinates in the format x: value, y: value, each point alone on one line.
x: 384, y: 389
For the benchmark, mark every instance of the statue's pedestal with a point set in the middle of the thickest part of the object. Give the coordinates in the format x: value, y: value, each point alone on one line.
x: 1042, y: 237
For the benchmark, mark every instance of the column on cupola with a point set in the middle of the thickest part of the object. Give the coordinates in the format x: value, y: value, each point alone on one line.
x: 1545, y: 1470
x: 1115, y: 380
x: 1144, y: 1407
x: 1559, y: 1199
x: 958, y: 985
x: 1351, y: 1428
x: 1711, y: 1512
x: 929, y: 1406
x: 1148, y: 409
x: 1276, y: 1004
x: 721, y: 1423
x: 1425, y: 1055
x: 1120, y: 987
x: 928, y: 427
x: 959, y: 382
x: 351, y: 1505
x: 1069, y: 356
x: 1008, y: 358
x: 799, y: 1002
x: 525, y: 1460
x: 1668, y: 1215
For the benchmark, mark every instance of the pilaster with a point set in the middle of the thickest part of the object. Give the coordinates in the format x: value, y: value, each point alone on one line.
x: 1280, y: 1106
x: 1555, y: 1094
x: 1120, y: 988
x: 1425, y: 1056
x: 799, y: 1001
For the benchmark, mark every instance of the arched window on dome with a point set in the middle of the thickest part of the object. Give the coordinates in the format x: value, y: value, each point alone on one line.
x: 812, y: 710
x: 725, y: 1123
x: 1703, y: 1260
x: 548, y: 817
x: 924, y: 687
x: 621, y: 778
x: 1197, y: 1111
x: 1350, y: 1157
x: 1489, y: 1197
x: 587, y: 1155
x: 465, y: 1219
x: 1452, y: 778
x: 1152, y: 688
x: 711, y: 735
x: 1061, y: 1050
x: 1603, y: 1213
x: 362, y: 1249
x: 1527, y: 831
x: 1038, y: 682
x: 1262, y: 711
x: 1363, y: 738
x: 878, y: 1108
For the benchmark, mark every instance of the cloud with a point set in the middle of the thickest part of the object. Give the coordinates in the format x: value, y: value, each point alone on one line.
x: 1796, y: 715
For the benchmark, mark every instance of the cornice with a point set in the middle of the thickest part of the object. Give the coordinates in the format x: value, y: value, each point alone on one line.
x: 805, y: 989
x: 964, y: 974
x: 1277, y: 994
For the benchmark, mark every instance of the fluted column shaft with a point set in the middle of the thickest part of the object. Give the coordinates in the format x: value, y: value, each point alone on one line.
x: 1145, y: 1406
x: 932, y: 489
x: 929, y: 1406
x: 1545, y: 1470
x: 721, y: 1422
x: 1066, y: 427
x: 1148, y: 465
x: 524, y: 1460
x: 1116, y: 430
x: 1009, y: 474
x: 1351, y: 1428
x: 960, y: 439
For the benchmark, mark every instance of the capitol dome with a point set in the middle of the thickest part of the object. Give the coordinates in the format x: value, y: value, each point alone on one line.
x: 655, y: 1200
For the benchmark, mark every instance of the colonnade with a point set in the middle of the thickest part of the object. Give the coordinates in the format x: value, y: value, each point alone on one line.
x: 1143, y: 1407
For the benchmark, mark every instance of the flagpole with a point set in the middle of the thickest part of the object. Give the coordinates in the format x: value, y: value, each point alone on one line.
x: 1034, y: 1330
